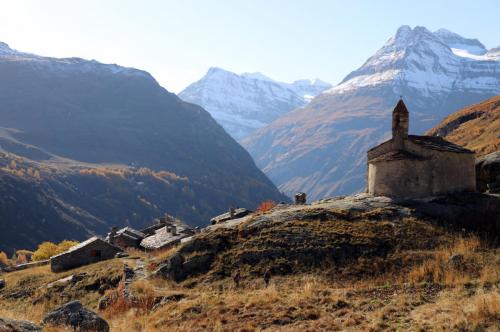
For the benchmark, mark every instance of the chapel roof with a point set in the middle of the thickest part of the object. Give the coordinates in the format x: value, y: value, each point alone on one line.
x: 437, y: 143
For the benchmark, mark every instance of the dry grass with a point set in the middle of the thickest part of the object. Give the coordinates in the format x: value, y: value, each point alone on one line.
x: 427, y: 293
x: 440, y: 269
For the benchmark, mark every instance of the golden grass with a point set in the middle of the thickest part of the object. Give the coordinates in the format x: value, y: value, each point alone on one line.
x: 427, y: 294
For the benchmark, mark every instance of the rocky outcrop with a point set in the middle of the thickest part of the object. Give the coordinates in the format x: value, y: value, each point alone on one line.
x: 74, y: 315
x: 337, y: 232
x: 10, y: 325
x: 488, y: 173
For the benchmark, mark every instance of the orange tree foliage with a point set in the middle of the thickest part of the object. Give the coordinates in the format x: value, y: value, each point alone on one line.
x: 4, y: 260
x: 266, y: 206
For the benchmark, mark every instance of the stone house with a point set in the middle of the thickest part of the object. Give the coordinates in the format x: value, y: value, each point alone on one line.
x: 91, y: 251
x: 233, y: 213
x: 126, y: 237
x: 411, y: 166
x: 167, y: 236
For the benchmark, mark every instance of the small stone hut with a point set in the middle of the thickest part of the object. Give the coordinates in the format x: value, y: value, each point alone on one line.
x: 91, y: 251
x: 411, y: 166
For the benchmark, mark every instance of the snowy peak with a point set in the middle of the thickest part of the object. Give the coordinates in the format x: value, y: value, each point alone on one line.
x: 65, y: 66
x: 5, y: 50
x: 257, y: 76
x: 455, y: 41
x: 244, y: 103
x: 430, y: 62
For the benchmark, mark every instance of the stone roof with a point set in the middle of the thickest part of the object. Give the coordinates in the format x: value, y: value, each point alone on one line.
x: 163, y: 238
x: 400, y: 107
x: 86, y: 243
x: 131, y: 232
x: 238, y: 213
x: 437, y: 143
x: 396, y: 155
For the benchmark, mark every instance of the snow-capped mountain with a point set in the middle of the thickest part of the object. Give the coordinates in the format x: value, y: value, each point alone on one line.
x: 321, y: 148
x: 65, y: 66
x: 246, y: 102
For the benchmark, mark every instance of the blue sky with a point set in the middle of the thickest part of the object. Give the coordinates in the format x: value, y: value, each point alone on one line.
x: 177, y: 41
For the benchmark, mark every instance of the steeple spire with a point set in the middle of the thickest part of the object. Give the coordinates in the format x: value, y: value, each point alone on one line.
x: 400, y: 123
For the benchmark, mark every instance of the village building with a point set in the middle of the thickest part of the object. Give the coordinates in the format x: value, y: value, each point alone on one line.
x: 126, y: 237
x: 91, y: 251
x: 158, y: 223
x: 233, y: 213
x: 411, y: 166
x: 166, y: 237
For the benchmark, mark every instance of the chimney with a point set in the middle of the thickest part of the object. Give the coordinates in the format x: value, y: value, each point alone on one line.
x: 112, y: 234
x: 232, y: 212
x: 400, y: 124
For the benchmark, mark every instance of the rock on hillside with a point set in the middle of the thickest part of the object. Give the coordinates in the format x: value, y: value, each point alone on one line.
x: 321, y: 148
x: 75, y: 111
x: 11, y: 325
x: 343, y: 233
x: 246, y: 102
x: 488, y: 173
x: 476, y: 127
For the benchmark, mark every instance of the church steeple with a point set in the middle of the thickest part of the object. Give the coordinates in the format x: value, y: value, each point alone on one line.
x: 400, y: 123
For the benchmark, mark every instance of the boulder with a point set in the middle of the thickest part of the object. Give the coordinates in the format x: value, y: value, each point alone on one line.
x: 172, y: 269
x: 10, y: 325
x: 488, y: 173
x: 74, y: 315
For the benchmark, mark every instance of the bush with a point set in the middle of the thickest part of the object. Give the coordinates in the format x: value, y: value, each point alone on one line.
x: 65, y: 245
x: 4, y: 261
x: 49, y: 249
x: 44, y: 251
x: 266, y: 206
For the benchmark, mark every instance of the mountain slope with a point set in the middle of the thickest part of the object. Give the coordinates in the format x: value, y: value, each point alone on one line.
x: 243, y: 103
x: 77, y: 111
x: 321, y: 148
x: 476, y: 127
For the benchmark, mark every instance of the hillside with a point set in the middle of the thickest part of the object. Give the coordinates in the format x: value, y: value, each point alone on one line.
x: 52, y: 202
x: 476, y: 127
x: 246, y: 102
x: 73, y: 111
x: 353, y: 263
x: 321, y: 148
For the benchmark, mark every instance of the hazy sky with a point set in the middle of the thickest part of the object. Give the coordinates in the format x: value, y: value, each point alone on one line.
x: 177, y: 41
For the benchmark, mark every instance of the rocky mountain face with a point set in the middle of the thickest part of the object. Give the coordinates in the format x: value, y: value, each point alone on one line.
x: 321, y: 148
x: 60, y: 113
x: 476, y: 127
x: 244, y: 103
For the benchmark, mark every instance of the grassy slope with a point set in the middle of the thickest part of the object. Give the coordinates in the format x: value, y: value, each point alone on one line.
x: 476, y: 127
x: 393, y: 273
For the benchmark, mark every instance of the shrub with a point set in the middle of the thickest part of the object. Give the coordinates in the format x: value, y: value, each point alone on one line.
x: 49, y: 249
x: 65, y: 245
x: 266, y: 206
x: 4, y: 261
x: 44, y: 251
